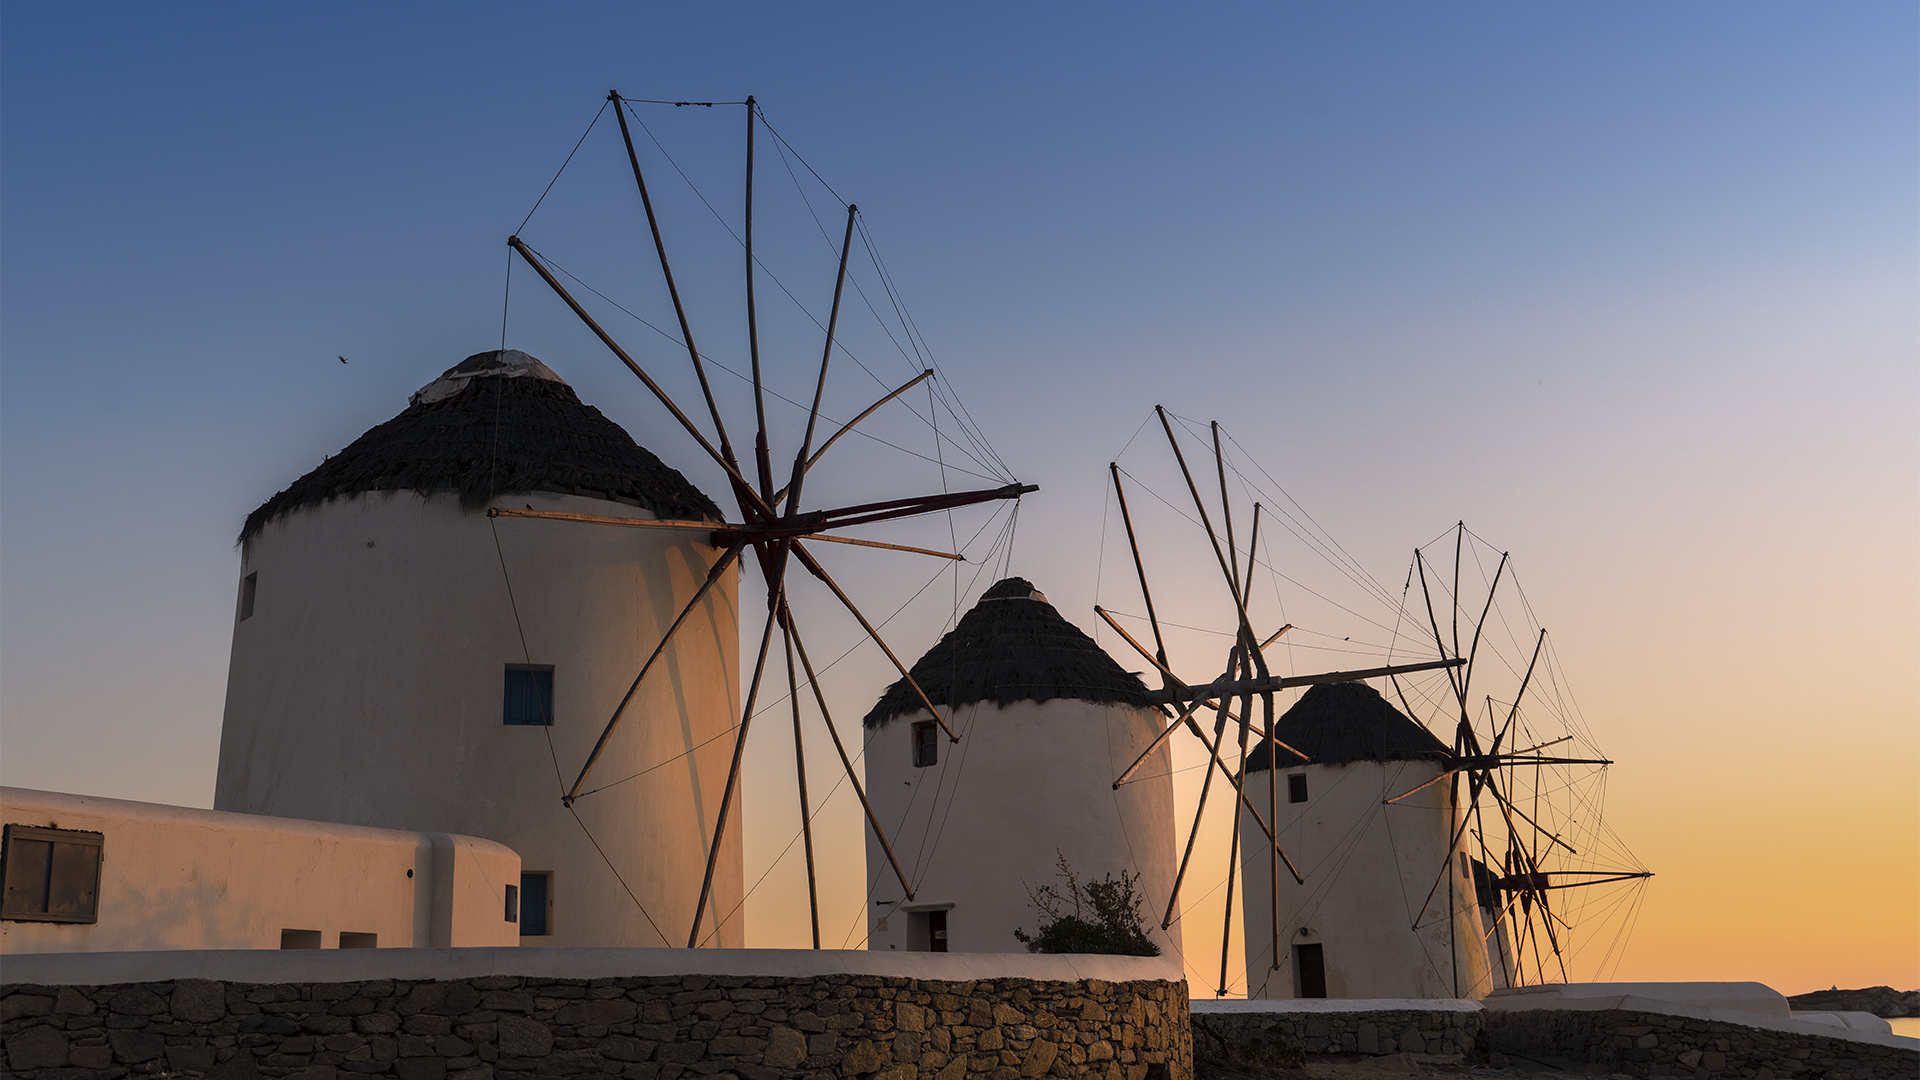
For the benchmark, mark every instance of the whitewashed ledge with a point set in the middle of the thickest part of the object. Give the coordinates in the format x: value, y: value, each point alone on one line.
x: 1518, y: 1003
x: 361, y: 965
x: 1234, y: 1006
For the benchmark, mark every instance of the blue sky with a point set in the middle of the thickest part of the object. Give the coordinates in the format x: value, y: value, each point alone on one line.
x: 1629, y: 287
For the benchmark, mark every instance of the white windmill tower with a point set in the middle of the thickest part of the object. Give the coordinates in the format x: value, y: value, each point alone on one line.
x: 1363, y: 924
x: 402, y: 659
x: 1046, y: 718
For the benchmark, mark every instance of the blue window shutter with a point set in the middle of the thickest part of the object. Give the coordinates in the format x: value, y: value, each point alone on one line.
x: 529, y: 696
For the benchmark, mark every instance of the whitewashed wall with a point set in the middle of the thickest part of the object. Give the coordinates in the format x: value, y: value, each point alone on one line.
x: 367, y: 688
x: 1025, y: 784
x: 1368, y: 869
x: 178, y: 878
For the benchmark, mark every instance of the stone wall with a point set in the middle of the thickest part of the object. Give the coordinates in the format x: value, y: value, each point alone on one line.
x: 1647, y: 1044
x: 657, y: 1027
x: 1385, y: 1031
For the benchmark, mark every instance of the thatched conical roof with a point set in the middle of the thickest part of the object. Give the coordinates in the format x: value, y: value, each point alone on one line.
x: 496, y: 423
x: 1337, y: 723
x: 1013, y: 646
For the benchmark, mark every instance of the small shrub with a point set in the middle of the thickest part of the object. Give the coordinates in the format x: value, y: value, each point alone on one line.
x: 1105, y: 916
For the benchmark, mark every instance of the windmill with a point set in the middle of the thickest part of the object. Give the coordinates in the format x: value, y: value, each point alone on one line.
x: 1244, y: 675
x: 773, y: 528
x: 1523, y: 802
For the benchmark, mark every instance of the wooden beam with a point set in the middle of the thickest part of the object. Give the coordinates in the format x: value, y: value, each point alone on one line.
x: 1283, y: 682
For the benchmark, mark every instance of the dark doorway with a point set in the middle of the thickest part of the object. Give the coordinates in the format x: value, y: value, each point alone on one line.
x: 1310, y: 970
x: 937, y: 931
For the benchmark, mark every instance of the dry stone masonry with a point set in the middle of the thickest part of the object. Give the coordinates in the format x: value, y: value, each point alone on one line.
x: 829, y: 1027
x: 1642, y: 1044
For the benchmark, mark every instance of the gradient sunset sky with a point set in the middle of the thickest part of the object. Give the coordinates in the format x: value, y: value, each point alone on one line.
x: 1631, y: 288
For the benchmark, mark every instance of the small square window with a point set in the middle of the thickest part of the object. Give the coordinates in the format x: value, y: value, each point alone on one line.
x: 52, y: 875
x: 248, y: 585
x: 299, y: 939
x: 529, y: 696
x: 926, y: 744
x: 1297, y: 788
x: 351, y: 940
x: 513, y: 903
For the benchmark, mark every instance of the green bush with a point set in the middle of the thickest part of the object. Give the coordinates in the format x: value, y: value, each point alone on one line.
x: 1105, y: 916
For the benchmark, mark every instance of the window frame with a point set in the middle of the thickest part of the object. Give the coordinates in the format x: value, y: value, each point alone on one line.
x: 507, y: 693
x: 10, y: 839
x: 926, y: 744
x: 1296, y: 787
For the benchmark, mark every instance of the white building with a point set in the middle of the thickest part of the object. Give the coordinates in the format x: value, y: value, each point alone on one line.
x: 1046, y: 720
x: 401, y: 660
x: 86, y: 874
x: 1388, y: 908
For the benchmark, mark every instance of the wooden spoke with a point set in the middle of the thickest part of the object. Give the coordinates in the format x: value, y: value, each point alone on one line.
x: 713, y: 575
x: 1466, y: 677
x: 848, y: 426
x: 723, y: 460
x: 820, y: 387
x: 1206, y: 787
x: 800, y: 766
x: 1226, y: 570
x: 1438, y: 641
x: 888, y: 547
x: 1253, y: 545
x: 733, y: 780
x: 762, y: 452
x: 673, y: 290
x: 813, y: 566
x: 1159, y: 655
x: 1283, y: 682
x: 1538, y: 644
x: 1166, y: 731
x: 1275, y: 636
x: 820, y: 699
x: 1226, y: 517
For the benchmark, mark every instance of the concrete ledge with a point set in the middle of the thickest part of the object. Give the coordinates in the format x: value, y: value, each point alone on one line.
x: 1333, y: 1005
x: 359, y: 965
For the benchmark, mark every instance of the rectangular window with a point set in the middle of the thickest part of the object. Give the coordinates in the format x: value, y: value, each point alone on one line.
x: 513, y: 903
x: 1464, y: 872
x: 529, y: 696
x: 937, y: 931
x: 351, y: 940
x: 1310, y: 971
x: 299, y: 939
x: 247, y: 586
x: 536, y: 902
x: 1297, y: 788
x: 926, y: 744
x: 52, y: 875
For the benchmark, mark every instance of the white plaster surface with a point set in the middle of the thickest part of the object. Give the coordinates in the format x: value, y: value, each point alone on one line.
x: 1025, y: 785
x: 367, y: 688
x: 1623, y: 999
x: 1369, y: 868
x: 1856, y: 1021
x: 1750, y: 997
x: 1333, y: 1005
x: 172, y: 877
x: 93, y: 969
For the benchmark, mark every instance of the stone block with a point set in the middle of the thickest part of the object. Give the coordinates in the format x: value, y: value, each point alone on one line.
x: 90, y: 1057
x: 130, y: 1047
x: 736, y: 1046
x: 71, y: 1002
x: 809, y: 1023
x: 990, y: 1039
x: 679, y: 1053
x: 862, y: 1058
x: 597, y: 1013
x: 135, y: 1001
x: 506, y: 1001
x: 421, y: 1068
x: 523, y: 1038
x: 909, y: 1017
x: 37, y: 1048
x: 1040, y: 1058
x: 786, y: 1048
x: 897, y: 1072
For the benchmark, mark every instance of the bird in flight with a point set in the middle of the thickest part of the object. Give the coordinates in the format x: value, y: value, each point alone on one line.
x: 342, y: 358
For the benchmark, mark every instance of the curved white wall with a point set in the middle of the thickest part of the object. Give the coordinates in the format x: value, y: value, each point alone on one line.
x: 1368, y: 867
x: 367, y: 688
x: 1024, y: 782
